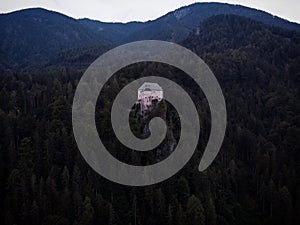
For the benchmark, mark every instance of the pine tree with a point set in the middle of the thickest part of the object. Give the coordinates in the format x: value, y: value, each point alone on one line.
x: 195, y: 211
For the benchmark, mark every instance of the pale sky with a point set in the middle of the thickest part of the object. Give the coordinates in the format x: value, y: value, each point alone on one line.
x: 142, y: 10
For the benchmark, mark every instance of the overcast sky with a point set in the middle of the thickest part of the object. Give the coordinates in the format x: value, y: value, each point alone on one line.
x: 142, y: 10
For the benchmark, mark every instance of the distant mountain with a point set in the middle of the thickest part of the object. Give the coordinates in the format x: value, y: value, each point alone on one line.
x: 242, y: 49
x: 115, y: 32
x: 232, y: 32
x: 176, y: 25
x: 35, y: 34
x: 228, y: 36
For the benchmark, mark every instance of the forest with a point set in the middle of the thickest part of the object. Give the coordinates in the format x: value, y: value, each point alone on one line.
x: 255, y: 178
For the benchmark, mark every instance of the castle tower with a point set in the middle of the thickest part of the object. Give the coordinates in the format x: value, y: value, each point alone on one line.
x: 147, y: 93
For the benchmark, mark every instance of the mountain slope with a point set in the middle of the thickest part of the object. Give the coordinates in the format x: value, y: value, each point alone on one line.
x: 217, y: 35
x: 77, y: 57
x: 249, y: 50
x: 253, y: 180
x: 35, y: 34
x: 116, y: 32
x: 176, y: 25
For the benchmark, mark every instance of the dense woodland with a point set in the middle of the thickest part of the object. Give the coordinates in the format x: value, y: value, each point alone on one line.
x: 255, y: 179
x: 52, y: 32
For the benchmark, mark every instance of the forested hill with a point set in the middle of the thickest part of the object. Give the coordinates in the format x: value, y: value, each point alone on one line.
x: 116, y: 32
x: 224, y: 34
x: 32, y: 35
x: 217, y: 35
x: 176, y: 25
x: 254, y: 179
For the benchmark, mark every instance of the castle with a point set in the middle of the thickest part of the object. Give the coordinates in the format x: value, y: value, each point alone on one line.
x: 147, y: 93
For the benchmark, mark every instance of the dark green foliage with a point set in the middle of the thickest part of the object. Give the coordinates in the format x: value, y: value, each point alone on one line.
x: 176, y: 25
x: 254, y: 179
x: 195, y: 211
x: 33, y: 35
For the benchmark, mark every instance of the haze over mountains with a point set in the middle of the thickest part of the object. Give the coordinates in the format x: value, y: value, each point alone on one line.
x: 33, y: 35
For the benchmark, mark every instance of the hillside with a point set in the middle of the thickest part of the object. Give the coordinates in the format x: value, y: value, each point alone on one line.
x: 175, y: 25
x: 115, y: 32
x: 254, y: 179
x: 33, y: 35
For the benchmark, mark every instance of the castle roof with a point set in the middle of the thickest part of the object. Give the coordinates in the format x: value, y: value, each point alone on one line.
x: 147, y: 86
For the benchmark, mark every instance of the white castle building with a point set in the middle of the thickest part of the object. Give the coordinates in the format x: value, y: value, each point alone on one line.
x: 149, y: 92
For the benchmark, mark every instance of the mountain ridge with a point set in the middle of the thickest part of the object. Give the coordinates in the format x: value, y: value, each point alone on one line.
x: 32, y: 35
x: 209, y: 37
x: 188, y: 17
x: 36, y: 34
